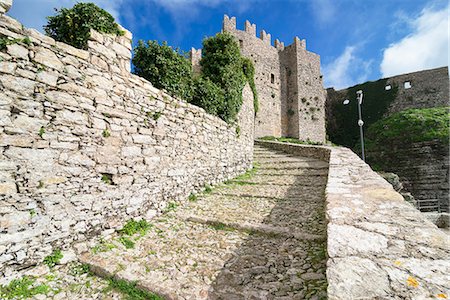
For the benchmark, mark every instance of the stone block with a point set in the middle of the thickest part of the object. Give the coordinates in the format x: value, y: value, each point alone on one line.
x: 48, y: 58
x: 5, y: 5
x: 18, y: 51
x: 22, y: 86
x: 7, y: 67
x: 8, y: 188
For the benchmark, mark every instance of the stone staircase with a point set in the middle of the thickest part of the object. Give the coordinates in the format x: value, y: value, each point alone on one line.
x: 260, y: 236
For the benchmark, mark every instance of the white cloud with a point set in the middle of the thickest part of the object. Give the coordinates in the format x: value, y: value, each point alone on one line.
x: 346, y: 70
x: 426, y: 47
x: 33, y: 13
x: 323, y: 10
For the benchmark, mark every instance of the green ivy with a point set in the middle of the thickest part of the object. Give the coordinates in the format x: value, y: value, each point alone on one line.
x: 209, y: 96
x: 72, y: 26
x: 342, y: 120
x: 164, y: 67
x: 249, y: 71
x: 222, y: 64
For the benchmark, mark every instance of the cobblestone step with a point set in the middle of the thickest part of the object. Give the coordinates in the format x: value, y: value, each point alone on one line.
x: 301, y: 193
x: 261, y: 237
x: 291, y: 180
x: 265, y: 215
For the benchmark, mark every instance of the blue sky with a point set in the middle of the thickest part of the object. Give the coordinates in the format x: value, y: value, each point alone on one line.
x: 358, y: 40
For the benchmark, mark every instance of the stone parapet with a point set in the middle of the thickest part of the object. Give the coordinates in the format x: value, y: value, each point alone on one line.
x: 379, y: 246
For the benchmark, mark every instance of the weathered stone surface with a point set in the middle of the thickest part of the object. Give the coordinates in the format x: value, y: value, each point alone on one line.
x: 5, y: 5
x: 219, y: 246
x: 48, y: 58
x: 379, y: 246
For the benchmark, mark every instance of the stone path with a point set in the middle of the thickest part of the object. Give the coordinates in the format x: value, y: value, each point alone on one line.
x: 256, y: 237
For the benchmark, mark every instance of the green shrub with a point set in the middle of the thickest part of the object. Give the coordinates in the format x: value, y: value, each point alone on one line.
x: 132, y: 227
x: 222, y: 63
x: 209, y: 96
x: 72, y: 26
x: 164, y: 67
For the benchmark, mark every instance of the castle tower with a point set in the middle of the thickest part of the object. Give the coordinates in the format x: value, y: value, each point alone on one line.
x: 195, y: 55
x: 288, y: 81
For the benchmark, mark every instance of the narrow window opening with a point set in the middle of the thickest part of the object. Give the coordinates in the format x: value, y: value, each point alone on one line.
x: 272, y: 78
x: 407, y: 84
x: 388, y: 87
x: 241, y: 44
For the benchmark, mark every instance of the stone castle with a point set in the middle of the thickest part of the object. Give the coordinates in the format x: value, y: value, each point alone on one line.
x: 82, y: 152
x: 288, y: 82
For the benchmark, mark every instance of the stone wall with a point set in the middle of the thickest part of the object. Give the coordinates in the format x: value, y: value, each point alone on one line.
x: 428, y: 88
x: 85, y: 145
x: 267, y: 75
x: 379, y: 246
x: 423, y: 168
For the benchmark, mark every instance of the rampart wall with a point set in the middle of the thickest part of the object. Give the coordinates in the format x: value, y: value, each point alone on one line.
x: 422, y: 167
x: 85, y: 145
x: 379, y: 246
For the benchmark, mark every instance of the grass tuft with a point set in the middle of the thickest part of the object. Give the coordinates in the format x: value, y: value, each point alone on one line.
x: 53, y: 259
x: 130, y: 291
x: 22, y: 288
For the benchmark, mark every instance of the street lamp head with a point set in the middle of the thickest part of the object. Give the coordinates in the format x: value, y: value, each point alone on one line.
x: 346, y: 101
x: 359, y: 96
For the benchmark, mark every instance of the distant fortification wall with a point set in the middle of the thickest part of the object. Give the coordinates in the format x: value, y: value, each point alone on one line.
x: 288, y: 82
x: 422, y: 167
x: 423, y: 89
x: 85, y: 145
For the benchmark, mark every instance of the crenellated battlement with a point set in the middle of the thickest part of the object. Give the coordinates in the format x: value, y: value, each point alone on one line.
x: 265, y: 37
x: 250, y: 28
x: 229, y: 25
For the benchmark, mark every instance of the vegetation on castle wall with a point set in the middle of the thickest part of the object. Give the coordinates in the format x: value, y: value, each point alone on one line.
x: 410, y: 126
x: 342, y: 123
x: 164, y: 67
x: 218, y: 89
x: 222, y: 64
x: 400, y: 131
x: 72, y: 26
x: 249, y: 71
x: 209, y: 96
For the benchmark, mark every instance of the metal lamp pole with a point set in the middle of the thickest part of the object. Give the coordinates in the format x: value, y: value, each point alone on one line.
x: 359, y: 98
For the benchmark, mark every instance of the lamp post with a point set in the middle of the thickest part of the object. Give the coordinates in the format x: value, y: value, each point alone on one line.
x: 359, y: 99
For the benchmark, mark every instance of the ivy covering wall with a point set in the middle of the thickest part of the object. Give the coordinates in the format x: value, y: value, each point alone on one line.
x: 342, y: 120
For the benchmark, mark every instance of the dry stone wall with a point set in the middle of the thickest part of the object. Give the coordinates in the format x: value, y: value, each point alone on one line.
x: 85, y: 145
